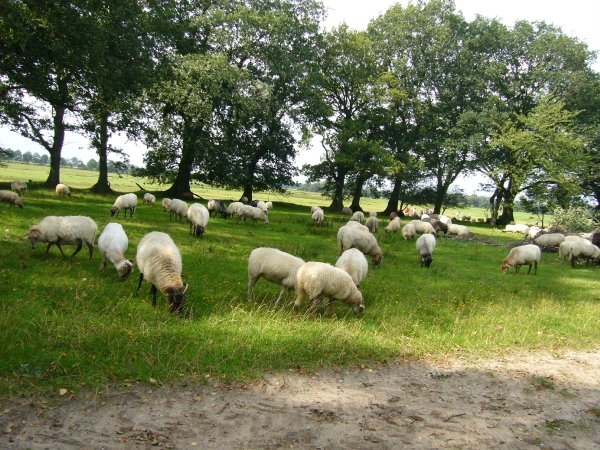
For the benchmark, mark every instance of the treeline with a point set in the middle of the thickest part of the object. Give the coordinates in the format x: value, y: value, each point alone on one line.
x: 73, y: 163
x: 228, y: 93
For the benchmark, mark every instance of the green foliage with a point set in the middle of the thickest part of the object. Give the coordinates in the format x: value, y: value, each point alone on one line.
x: 573, y: 220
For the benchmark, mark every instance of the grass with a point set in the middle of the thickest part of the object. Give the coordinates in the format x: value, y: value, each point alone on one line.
x: 64, y: 324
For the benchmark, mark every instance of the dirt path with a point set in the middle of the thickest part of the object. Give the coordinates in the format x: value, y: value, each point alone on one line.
x: 519, y: 402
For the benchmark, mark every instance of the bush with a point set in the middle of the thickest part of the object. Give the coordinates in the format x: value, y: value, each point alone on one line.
x: 572, y: 220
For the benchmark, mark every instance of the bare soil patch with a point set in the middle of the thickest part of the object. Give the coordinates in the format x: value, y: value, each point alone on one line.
x: 520, y: 401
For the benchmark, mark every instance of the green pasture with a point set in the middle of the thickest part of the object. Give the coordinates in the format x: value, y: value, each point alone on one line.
x: 65, y: 324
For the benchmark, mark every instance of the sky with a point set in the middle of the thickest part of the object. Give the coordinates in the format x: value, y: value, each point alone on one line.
x: 577, y: 18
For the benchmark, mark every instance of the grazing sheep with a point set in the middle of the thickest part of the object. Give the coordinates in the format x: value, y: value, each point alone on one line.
x: 393, y: 215
x: 577, y: 239
x: 197, y: 216
x: 525, y: 255
x: 263, y: 207
x: 63, y: 189
x: 584, y: 250
x: 315, y: 208
x: 459, y: 230
x: 68, y: 230
x: 564, y: 249
x: 166, y: 203
x: 244, y: 199
x: 425, y: 246
x: 318, y: 217
x: 353, y: 262
x: 437, y: 225
x: 218, y: 207
x: 394, y: 225
x: 160, y: 264
x: 233, y: 207
x: 408, y: 232
x: 254, y: 203
x: 423, y: 227
x: 128, y: 202
x: 517, y: 228
x: 252, y: 212
x: 533, y: 232
x: 444, y: 219
x: 112, y: 245
x: 317, y: 279
x: 353, y: 224
x: 350, y: 237
x: 346, y: 211
x: 372, y: 213
x: 20, y: 187
x: 372, y: 224
x: 11, y: 197
x: 269, y: 205
x: 178, y: 208
x: 149, y: 198
x: 549, y: 240
x: 358, y: 216
x: 275, y: 266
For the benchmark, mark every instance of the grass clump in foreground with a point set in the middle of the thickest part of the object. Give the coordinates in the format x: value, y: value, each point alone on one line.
x: 64, y: 324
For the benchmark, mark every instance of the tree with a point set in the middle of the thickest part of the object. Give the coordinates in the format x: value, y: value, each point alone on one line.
x: 92, y: 164
x: 27, y: 157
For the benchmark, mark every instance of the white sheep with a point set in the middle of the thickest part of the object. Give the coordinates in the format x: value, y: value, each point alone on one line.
x: 252, y: 212
x: 160, y: 264
x: 128, y: 202
x: 437, y: 225
x: 517, y: 228
x: 577, y: 239
x: 354, y: 224
x: 262, y: 206
x: 63, y: 189
x: 244, y: 199
x: 68, y: 230
x: 269, y: 205
x: 425, y: 246
x: 317, y: 279
x: 318, y: 217
x: 149, y: 198
x: 197, y: 217
x: 358, y: 216
x: 394, y: 225
x: 372, y: 213
x: 349, y: 237
x: 275, y: 266
x: 11, y: 197
x: 315, y: 208
x: 166, y: 203
x: 112, y: 245
x: 445, y: 220
x: 564, y: 249
x: 346, y: 211
x: 459, y: 230
x: 423, y: 227
x: 525, y: 255
x: 584, y: 250
x: 178, y: 208
x: 353, y: 262
x: 20, y: 187
x: 549, y: 240
x: 372, y: 224
x: 408, y: 232
x: 233, y: 207
x: 533, y: 232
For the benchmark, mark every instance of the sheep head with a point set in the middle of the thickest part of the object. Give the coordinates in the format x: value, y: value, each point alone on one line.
x: 377, y: 260
x: 176, y: 298
x: 426, y: 260
x: 19, y: 202
x: 34, y: 235
x: 125, y: 269
x: 114, y: 210
x: 505, y: 267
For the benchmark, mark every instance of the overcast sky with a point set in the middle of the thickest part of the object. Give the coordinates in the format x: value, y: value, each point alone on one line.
x: 579, y: 18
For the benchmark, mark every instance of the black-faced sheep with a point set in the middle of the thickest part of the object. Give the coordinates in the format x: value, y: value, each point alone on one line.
x: 525, y: 255
x: 64, y: 230
x: 218, y: 207
x: 425, y: 246
x: 112, y: 245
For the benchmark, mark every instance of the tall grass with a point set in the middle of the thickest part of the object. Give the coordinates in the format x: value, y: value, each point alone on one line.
x: 64, y: 323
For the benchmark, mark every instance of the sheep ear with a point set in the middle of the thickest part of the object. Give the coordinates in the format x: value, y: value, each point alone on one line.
x: 132, y: 262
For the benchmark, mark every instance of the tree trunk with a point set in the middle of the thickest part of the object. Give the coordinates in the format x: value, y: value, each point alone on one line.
x: 507, y: 208
x: 337, y: 202
x: 355, y: 206
x: 102, y: 186
x: 56, y: 150
x: 181, y: 186
x: 440, y: 194
x: 495, y: 200
x: 392, y: 205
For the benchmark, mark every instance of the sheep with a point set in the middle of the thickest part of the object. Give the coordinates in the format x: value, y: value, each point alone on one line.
x: 533, y: 232
x: 63, y: 189
x: 527, y: 255
x: 349, y: 237
x: 233, y: 207
x: 372, y: 213
x: 393, y: 215
x: 149, y: 198
x: 218, y: 207
x: 160, y: 264
x: 444, y: 219
x: 20, y: 187
x: 425, y: 246
x: 437, y: 225
x: 584, y: 250
x: 252, y: 212
x: 244, y: 199
x: 549, y: 240
x: 315, y: 208
x: 317, y: 279
x: 197, y: 217
x: 353, y: 262
x: 358, y: 216
x: 576, y: 238
x: 275, y: 266
x: 459, y: 230
x: 112, y: 245
x: 166, y: 203
x: 354, y: 224
x: 425, y: 216
x: 372, y: 224
x: 254, y: 203
x: 318, y: 217
x: 262, y: 206
x: 269, y: 205
x: 564, y: 249
x: 126, y: 202
x: 178, y: 208
x: 67, y: 230
x: 346, y: 211
x: 11, y: 197
x: 423, y: 227
x: 517, y: 228
x: 394, y: 225
x: 408, y: 232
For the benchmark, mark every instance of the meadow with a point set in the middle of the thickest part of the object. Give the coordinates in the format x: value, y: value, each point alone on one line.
x: 65, y: 324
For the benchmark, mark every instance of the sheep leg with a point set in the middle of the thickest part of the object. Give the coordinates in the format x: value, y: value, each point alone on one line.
x: 59, y: 247
x: 140, y: 283
x: 153, y: 292
x: 298, y: 299
x: 529, y: 271
x: 251, y: 282
x: 90, y: 248
x: 283, y: 289
x: 79, y: 247
x: 535, y: 272
x: 103, y: 263
x: 329, y: 311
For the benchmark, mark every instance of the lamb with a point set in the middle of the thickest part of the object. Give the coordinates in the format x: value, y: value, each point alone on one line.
x: 459, y: 230
x: 197, y: 216
x: 354, y: 224
x: 275, y: 266
x: 358, y: 216
x: 353, y: 262
x: 149, y: 198
x: 346, y: 211
x: 178, y: 208
x: 584, y: 250
x: 218, y: 207
x: 527, y: 255
x: 549, y: 240
x: 252, y: 212
x: 349, y: 237
x: 317, y: 279
x: 262, y: 206
x: 112, y: 245
x: 423, y: 227
x: 425, y: 246
x: 11, y: 197
x: 160, y: 264
x: 128, y: 202
x: 166, y: 203
x: 408, y: 232
x: 67, y: 230
x: 63, y: 189
x: 20, y: 187
x: 394, y: 226
x: 233, y: 207
x: 318, y: 217
x: 372, y: 224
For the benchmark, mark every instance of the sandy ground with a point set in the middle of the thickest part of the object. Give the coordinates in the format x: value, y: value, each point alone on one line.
x: 544, y: 401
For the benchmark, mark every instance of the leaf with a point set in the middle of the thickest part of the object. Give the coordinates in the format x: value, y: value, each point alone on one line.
x: 62, y: 391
